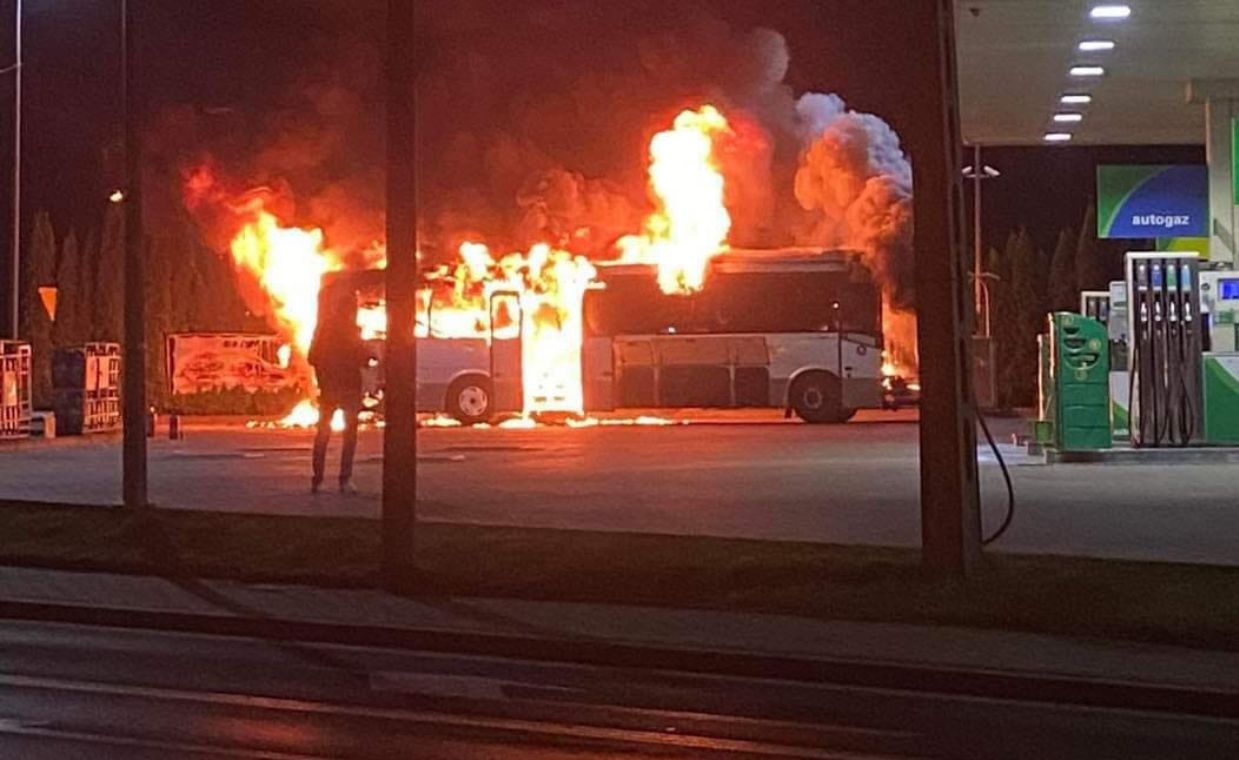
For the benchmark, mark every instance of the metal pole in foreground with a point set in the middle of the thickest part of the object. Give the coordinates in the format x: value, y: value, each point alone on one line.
x: 134, y: 367
x: 950, y: 518
x: 15, y: 293
x: 977, y: 172
x: 400, y: 385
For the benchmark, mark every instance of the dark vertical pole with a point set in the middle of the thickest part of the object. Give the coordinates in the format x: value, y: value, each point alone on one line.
x: 16, y: 272
x: 950, y: 518
x: 134, y: 455
x: 400, y: 386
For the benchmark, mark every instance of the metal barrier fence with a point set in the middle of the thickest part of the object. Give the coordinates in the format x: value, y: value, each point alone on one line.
x: 86, y: 382
x: 14, y: 389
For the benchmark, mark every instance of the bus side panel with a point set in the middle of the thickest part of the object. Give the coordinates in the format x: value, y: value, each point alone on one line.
x: 442, y: 360
x: 598, y: 374
x: 857, y: 363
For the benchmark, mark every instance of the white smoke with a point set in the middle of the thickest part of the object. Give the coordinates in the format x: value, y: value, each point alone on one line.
x: 856, y: 183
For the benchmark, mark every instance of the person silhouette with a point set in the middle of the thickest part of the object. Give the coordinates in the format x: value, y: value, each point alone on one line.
x: 338, y: 354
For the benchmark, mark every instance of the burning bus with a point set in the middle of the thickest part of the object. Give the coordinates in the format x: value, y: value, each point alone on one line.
x: 795, y: 329
x: 670, y: 314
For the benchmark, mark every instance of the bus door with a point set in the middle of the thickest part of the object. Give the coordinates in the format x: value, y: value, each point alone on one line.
x: 597, y: 354
x: 506, y: 345
x: 598, y: 373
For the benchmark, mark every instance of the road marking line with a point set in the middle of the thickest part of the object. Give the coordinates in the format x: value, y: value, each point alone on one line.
x: 518, y: 725
x: 485, y: 688
x: 17, y: 728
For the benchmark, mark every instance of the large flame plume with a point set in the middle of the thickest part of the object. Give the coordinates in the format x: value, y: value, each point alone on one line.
x: 535, y: 295
x: 691, y: 222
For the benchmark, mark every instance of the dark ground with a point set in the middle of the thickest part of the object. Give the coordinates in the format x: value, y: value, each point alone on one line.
x: 77, y: 692
x: 758, y: 478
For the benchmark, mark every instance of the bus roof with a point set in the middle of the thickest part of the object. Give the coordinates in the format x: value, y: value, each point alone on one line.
x: 730, y: 261
x: 765, y: 260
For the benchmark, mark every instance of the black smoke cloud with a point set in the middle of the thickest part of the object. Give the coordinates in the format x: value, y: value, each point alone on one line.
x: 534, y: 121
x: 557, y: 112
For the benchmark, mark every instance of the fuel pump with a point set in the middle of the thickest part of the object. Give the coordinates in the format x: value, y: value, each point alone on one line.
x: 1165, y: 348
x: 1120, y: 389
x: 1096, y: 304
x: 1219, y: 301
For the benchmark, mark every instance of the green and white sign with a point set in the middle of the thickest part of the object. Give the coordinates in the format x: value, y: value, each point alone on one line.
x: 1152, y: 201
x: 1234, y: 161
x: 1183, y: 245
x: 1221, y: 390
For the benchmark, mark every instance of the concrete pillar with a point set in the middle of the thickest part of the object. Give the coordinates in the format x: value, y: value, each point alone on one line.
x: 1220, y: 97
x: 950, y: 512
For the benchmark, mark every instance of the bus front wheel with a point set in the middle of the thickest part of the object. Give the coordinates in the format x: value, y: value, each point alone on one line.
x: 469, y: 399
x: 818, y: 397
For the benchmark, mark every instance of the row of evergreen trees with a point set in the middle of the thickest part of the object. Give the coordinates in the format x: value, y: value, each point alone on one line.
x: 188, y: 288
x: 1031, y: 284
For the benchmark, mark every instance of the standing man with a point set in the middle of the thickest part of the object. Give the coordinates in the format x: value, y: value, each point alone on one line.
x: 338, y: 355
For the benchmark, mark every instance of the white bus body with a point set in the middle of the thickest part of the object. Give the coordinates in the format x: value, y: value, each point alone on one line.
x: 818, y: 352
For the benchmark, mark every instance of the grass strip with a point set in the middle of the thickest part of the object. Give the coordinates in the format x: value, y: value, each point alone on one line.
x: 1191, y: 605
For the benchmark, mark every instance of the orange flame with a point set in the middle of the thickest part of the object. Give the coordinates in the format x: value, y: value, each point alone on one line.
x: 288, y: 263
x: 691, y: 223
x: 544, y: 286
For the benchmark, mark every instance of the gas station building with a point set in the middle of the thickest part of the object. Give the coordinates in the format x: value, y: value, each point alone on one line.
x: 1068, y: 72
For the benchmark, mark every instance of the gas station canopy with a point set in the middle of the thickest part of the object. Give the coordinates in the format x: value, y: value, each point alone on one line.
x: 1015, y: 58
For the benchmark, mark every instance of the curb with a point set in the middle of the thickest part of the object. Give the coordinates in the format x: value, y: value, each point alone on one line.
x: 1052, y: 689
x: 1194, y: 455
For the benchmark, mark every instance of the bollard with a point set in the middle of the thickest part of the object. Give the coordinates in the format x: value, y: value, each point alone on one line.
x: 150, y: 423
x: 174, y: 427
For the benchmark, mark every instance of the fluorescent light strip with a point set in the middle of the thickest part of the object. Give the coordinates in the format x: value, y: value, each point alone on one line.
x: 1093, y: 46
x: 1087, y: 71
x: 1114, y: 12
x: 1058, y: 137
x: 1074, y: 99
x: 1068, y: 118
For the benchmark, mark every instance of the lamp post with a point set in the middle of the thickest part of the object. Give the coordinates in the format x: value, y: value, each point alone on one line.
x: 978, y: 173
x: 984, y: 371
x: 16, y: 68
x: 134, y: 471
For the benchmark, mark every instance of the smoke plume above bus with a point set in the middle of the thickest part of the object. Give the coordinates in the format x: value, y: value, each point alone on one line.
x: 562, y: 159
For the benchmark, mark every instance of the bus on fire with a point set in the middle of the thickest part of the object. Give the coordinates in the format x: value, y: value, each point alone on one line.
x: 797, y: 329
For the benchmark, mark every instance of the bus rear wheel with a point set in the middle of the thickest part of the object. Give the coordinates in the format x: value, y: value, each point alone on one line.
x: 818, y: 397
x: 469, y: 399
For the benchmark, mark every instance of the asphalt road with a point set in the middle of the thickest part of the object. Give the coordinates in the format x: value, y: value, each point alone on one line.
x: 75, y: 692
x: 758, y: 477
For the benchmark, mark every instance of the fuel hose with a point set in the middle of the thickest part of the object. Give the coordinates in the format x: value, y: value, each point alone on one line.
x: 1006, y: 476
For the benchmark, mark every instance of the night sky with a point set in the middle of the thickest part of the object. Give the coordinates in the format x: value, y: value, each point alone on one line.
x: 241, y: 66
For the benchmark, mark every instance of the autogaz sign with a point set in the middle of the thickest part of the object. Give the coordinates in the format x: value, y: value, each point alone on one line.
x: 1152, y: 201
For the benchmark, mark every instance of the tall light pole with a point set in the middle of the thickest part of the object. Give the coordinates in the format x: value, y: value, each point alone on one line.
x: 133, y: 481
x: 984, y: 357
x: 15, y: 293
x: 978, y: 173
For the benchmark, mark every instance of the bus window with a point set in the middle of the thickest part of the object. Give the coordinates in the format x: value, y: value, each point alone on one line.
x: 735, y: 302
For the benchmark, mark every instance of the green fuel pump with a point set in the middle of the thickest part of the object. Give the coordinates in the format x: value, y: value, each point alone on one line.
x: 1076, y: 384
x: 1219, y: 300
